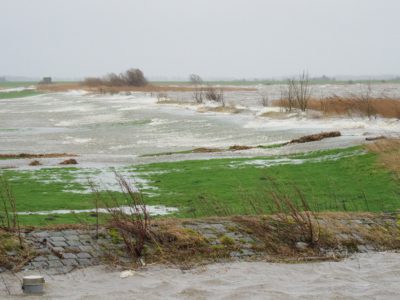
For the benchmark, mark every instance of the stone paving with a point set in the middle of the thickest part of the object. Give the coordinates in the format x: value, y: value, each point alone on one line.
x: 63, y: 251
x: 219, y: 232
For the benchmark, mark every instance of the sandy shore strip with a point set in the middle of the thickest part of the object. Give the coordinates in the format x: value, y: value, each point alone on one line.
x: 363, y: 276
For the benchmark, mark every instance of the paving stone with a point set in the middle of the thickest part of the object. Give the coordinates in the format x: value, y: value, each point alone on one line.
x: 40, y: 258
x: 72, y: 249
x: 40, y: 264
x: 57, y: 239
x: 55, y: 264
x: 72, y: 238
x: 68, y: 255
x: 85, y: 237
x: 70, y: 262
x: 59, y: 244
x: 74, y: 243
x: 41, y: 234
x: 52, y: 257
x: 58, y: 249
x: 71, y: 232
x: 42, y: 251
x: 84, y: 262
x: 86, y: 248
x: 56, y: 233
x: 84, y: 255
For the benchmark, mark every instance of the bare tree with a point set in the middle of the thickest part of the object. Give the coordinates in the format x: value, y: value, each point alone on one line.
x: 198, y: 93
x: 302, y: 91
x: 298, y: 93
x: 366, y: 101
x: 195, y: 79
x: 131, y: 77
x: 215, y: 94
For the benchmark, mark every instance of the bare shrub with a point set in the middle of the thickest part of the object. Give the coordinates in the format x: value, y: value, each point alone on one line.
x: 198, y: 94
x: 302, y: 91
x: 134, y: 77
x: 264, y: 99
x: 364, y: 103
x: 93, y: 81
x: 215, y: 94
x: 8, y: 210
x: 131, y: 77
x: 162, y: 97
x: 297, y: 93
x: 303, y: 220
x: 195, y: 79
x: 133, y: 227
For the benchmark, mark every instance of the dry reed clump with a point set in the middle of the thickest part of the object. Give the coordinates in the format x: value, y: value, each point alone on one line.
x: 388, y: 151
x: 12, y: 255
x: 31, y: 155
x: 70, y: 161
x: 239, y: 147
x: 352, y: 106
x: 316, y: 137
x: 35, y: 163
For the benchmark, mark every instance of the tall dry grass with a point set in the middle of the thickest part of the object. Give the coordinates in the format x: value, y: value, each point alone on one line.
x: 388, y: 151
x: 351, y: 106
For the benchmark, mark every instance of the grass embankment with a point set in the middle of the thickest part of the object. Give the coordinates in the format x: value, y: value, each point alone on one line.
x: 18, y: 94
x: 334, y: 180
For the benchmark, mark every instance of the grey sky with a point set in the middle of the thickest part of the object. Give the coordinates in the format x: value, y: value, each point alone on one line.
x: 214, y: 38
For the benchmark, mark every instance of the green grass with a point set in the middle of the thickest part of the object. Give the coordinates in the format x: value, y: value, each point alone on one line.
x: 200, y: 187
x: 14, y: 84
x: 333, y: 180
x: 18, y: 94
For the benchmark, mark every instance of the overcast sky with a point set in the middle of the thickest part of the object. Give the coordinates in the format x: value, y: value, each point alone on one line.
x: 214, y: 38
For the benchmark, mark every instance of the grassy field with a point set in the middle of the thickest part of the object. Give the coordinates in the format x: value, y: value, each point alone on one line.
x: 18, y: 94
x: 335, y: 180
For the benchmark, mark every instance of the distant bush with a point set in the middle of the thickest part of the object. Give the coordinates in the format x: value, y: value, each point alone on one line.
x: 215, y: 94
x: 131, y: 77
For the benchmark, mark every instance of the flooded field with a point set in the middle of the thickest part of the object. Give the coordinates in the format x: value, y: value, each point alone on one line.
x: 119, y: 129
x: 126, y: 132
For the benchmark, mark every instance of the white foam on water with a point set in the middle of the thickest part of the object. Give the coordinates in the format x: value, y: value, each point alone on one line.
x: 18, y: 89
x: 76, y: 141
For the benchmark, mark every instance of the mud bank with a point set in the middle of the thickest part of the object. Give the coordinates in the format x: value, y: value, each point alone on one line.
x: 363, y: 276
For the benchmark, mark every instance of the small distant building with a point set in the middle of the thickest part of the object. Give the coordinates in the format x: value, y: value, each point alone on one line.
x: 46, y: 80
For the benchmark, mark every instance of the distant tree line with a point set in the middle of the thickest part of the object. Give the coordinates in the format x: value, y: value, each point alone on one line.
x: 131, y: 77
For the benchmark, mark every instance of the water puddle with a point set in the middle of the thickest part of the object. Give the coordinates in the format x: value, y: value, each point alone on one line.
x: 154, y: 210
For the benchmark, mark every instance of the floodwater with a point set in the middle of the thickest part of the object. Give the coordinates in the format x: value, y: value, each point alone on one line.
x: 115, y: 131
x: 363, y: 276
x: 112, y: 130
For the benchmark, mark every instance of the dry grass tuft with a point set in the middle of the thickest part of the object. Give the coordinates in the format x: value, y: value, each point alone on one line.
x: 388, y: 151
